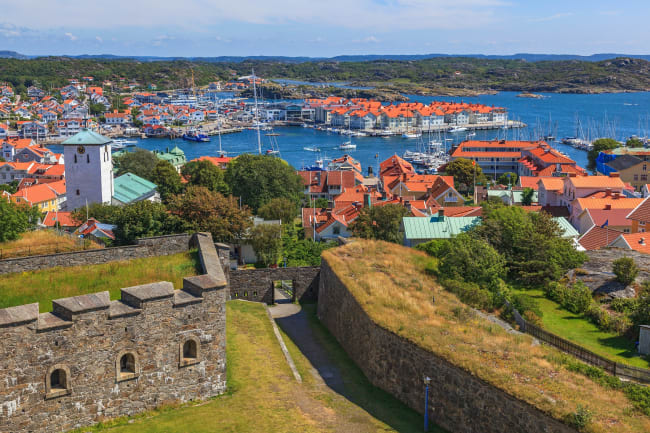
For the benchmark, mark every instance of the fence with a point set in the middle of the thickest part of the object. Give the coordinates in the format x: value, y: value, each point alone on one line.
x: 636, y: 374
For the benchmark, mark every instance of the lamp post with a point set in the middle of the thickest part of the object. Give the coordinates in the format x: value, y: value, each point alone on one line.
x: 427, y: 380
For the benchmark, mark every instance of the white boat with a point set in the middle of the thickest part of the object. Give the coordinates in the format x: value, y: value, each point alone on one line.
x: 311, y: 149
x: 360, y: 134
x: 471, y: 134
x: 456, y: 129
x: 411, y: 135
x: 347, y: 146
x: 272, y: 152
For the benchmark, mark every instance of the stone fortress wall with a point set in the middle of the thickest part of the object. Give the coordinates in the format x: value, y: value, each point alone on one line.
x: 458, y: 401
x: 147, y: 247
x: 92, y: 358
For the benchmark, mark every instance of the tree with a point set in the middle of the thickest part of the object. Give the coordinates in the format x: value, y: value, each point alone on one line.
x: 16, y: 219
x: 257, y: 179
x: 464, y: 171
x: 531, y: 243
x: 141, y: 163
x: 165, y: 176
x: 266, y: 240
x: 600, y: 145
x: 474, y: 260
x: 204, y: 173
x: 641, y: 314
x: 527, y: 196
x: 625, y: 270
x: 279, y: 208
x: 96, y: 109
x: 380, y: 222
x: 321, y: 203
x: 633, y: 142
x: 10, y: 187
x: 143, y: 219
x: 203, y: 210
x: 509, y: 178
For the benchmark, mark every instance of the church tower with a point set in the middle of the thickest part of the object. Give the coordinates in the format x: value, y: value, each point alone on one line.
x: 88, y: 169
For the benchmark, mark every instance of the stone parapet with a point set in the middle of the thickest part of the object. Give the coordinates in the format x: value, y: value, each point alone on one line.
x: 92, y: 358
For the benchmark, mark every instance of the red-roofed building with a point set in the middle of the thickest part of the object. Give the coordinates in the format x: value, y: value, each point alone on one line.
x: 62, y: 219
x: 328, y: 184
x: 640, y: 217
x: 615, y: 219
x: 220, y: 161
x: 633, y: 241
x: 598, y: 237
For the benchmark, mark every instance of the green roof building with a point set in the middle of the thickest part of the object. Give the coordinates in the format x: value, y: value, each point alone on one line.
x: 175, y: 157
x: 130, y: 188
x: 418, y: 230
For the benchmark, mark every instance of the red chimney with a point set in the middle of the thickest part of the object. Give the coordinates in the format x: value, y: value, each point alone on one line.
x: 608, y: 192
x: 608, y: 207
x: 615, y: 174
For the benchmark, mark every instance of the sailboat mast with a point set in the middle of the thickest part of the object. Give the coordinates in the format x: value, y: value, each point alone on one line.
x: 257, y: 120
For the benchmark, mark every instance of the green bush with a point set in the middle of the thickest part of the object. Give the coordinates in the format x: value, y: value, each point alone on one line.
x: 556, y: 291
x: 580, y: 418
x: 436, y: 247
x: 578, y: 298
x: 470, y: 293
x: 625, y: 269
x: 599, y: 317
x: 525, y: 303
x: 624, y: 305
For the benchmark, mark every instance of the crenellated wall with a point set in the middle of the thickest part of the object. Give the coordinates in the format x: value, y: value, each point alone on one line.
x: 458, y: 401
x: 92, y: 358
x: 146, y: 247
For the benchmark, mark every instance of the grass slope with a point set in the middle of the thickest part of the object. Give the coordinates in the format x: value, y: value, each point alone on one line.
x: 54, y: 283
x: 576, y: 328
x: 390, y: 283
x: 264, y: 397
x: 43, y: 242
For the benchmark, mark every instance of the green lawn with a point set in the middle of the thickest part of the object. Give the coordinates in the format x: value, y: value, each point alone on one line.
x: 581, y: 331
x: 264, y: 397
x: 55, y: 283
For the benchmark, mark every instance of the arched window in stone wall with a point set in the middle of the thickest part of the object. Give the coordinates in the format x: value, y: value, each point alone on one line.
x: 57, y: 381
x: 127, y: 365
x: 189, y: 351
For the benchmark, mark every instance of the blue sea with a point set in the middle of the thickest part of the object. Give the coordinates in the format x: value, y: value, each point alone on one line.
x: 617, y: 114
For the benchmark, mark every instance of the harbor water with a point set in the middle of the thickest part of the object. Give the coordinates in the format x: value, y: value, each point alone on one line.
x: 617, y: 114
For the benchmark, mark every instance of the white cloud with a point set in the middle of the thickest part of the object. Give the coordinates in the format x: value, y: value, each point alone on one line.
x: 220, y: 39
x: 197, y: 14
x: 9, y: 30
x: 70, y: 36
x: 552, y: 17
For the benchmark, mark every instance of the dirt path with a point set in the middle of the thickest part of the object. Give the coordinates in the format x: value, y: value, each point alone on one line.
x: 293, y: 321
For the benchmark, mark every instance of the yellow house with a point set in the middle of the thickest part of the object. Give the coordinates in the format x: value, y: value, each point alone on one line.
x: 40, y: 195
x: 632, y: 170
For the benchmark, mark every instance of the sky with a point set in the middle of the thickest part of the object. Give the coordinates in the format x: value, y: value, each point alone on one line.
x: 320, y: 28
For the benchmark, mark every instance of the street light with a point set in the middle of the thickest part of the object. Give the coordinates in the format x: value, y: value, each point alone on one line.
x: 427, y: 380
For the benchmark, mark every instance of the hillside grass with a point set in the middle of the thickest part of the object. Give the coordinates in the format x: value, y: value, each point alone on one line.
x: 391, y: 284
x: 578, y: 329
x: 40, y: 242
x: 262, y: 394
x: 62, y: 282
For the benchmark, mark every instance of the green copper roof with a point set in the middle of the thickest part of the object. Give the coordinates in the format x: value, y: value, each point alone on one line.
x: 130, y: 188
x: 435, y: 227
x: 568, y: 231
x: 86, y: 137
x: 177, y: 151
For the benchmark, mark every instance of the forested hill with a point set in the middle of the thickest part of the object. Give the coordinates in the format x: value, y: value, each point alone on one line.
x: 620, y: 74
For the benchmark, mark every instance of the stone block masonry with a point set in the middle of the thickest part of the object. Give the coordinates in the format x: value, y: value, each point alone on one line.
x: 146, y: 247
x: 257, y: 284
x: 92, y: 358
x: 458, y: 401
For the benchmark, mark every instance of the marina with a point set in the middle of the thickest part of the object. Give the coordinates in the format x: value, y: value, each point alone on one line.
x: 628, y: 111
